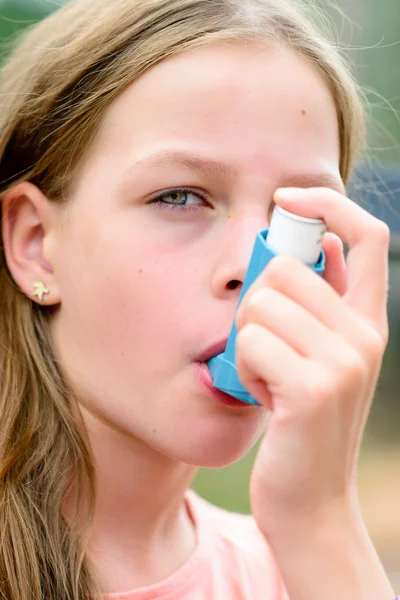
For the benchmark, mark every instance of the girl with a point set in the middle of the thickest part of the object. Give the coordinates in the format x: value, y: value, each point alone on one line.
x: 143, y: 145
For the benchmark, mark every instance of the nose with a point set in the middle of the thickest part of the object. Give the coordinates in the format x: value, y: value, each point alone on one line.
x: 234, y: 253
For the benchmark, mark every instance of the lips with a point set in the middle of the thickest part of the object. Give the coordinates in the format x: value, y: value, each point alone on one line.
x: 204, y: 376
x: 212, y: 351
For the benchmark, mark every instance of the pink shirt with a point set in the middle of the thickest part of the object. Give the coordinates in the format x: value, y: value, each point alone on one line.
x: 232, y: 561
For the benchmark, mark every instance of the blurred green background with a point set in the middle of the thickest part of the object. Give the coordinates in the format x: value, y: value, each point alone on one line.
x: 369, y: 34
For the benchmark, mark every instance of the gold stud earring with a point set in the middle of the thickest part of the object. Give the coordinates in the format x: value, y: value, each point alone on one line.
x: 40, y: 289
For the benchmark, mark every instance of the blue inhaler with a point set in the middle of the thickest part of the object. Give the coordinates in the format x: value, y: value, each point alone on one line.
x: 288, y: 234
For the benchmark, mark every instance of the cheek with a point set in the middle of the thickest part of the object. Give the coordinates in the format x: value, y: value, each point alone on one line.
x: 130, y: 316
x: 125, y: 299
x: 152, y: 291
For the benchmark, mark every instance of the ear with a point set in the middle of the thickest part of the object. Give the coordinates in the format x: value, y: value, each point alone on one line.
x: 28, y: 227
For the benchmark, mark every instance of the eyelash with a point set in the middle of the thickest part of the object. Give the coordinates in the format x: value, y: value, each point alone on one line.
x: 181, y: 207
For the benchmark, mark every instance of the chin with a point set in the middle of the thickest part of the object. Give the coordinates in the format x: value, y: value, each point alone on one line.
x: 217, y: 445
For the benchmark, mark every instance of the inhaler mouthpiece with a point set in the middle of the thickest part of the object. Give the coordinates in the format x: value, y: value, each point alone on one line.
x: 288, y: 234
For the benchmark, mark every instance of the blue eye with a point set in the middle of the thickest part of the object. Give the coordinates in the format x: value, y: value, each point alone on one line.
x: 180, y: 199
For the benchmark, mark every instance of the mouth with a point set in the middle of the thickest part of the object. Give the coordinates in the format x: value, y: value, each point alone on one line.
x: 212, y: 351
x: 204, y: 377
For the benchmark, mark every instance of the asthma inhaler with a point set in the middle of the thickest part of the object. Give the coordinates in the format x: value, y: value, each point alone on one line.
x: 288, y: 234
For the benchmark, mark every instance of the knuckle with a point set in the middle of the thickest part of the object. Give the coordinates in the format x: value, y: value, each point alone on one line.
x: 258, y: 297
x: 245, y: 336
x: 351, y: 371
x: 385, y: 334
x: 279, y: 265
x: 318, y: 389
x: 381, y: 232
x: 245, y: 340
x: 375, y: 343
x: 240, y: 317
x: 259, y: 301
x: 251, y: 306
x: 353, y: 364
x: 273, y: 270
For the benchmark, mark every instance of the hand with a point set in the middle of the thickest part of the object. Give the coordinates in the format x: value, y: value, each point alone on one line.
x: 310, y: 349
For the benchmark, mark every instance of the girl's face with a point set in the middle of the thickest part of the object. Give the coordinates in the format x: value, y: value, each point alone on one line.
x: 156, y: 241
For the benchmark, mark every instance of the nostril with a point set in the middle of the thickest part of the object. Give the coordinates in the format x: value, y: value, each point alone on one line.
x: 232, y: 285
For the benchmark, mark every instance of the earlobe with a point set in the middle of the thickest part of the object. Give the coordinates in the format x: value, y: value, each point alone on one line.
x: 27, y: 222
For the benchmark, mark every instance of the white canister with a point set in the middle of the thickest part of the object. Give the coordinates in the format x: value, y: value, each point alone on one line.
x: 296, y: 236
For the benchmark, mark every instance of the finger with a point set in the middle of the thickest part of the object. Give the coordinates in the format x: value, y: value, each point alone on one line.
x: 293, y: 324
x: 335, y: 271
x: 299, y: 283
x: 366, y: 236
x: 262, y: 357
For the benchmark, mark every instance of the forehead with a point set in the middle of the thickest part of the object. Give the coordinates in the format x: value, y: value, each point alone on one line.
x: 254, y: 106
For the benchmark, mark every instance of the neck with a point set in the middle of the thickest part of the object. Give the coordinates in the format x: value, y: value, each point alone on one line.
x: 141, y: 529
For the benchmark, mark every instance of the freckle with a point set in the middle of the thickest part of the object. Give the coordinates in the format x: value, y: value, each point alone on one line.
x: 154, y: 431
x: 303, y: 112
x: 229, y: 216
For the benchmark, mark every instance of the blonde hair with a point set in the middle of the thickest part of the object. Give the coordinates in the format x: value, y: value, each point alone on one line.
x: 60, y: 79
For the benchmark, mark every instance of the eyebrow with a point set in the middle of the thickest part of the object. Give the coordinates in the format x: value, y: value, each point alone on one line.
x: 210, y: 168
x: 193, y: 162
